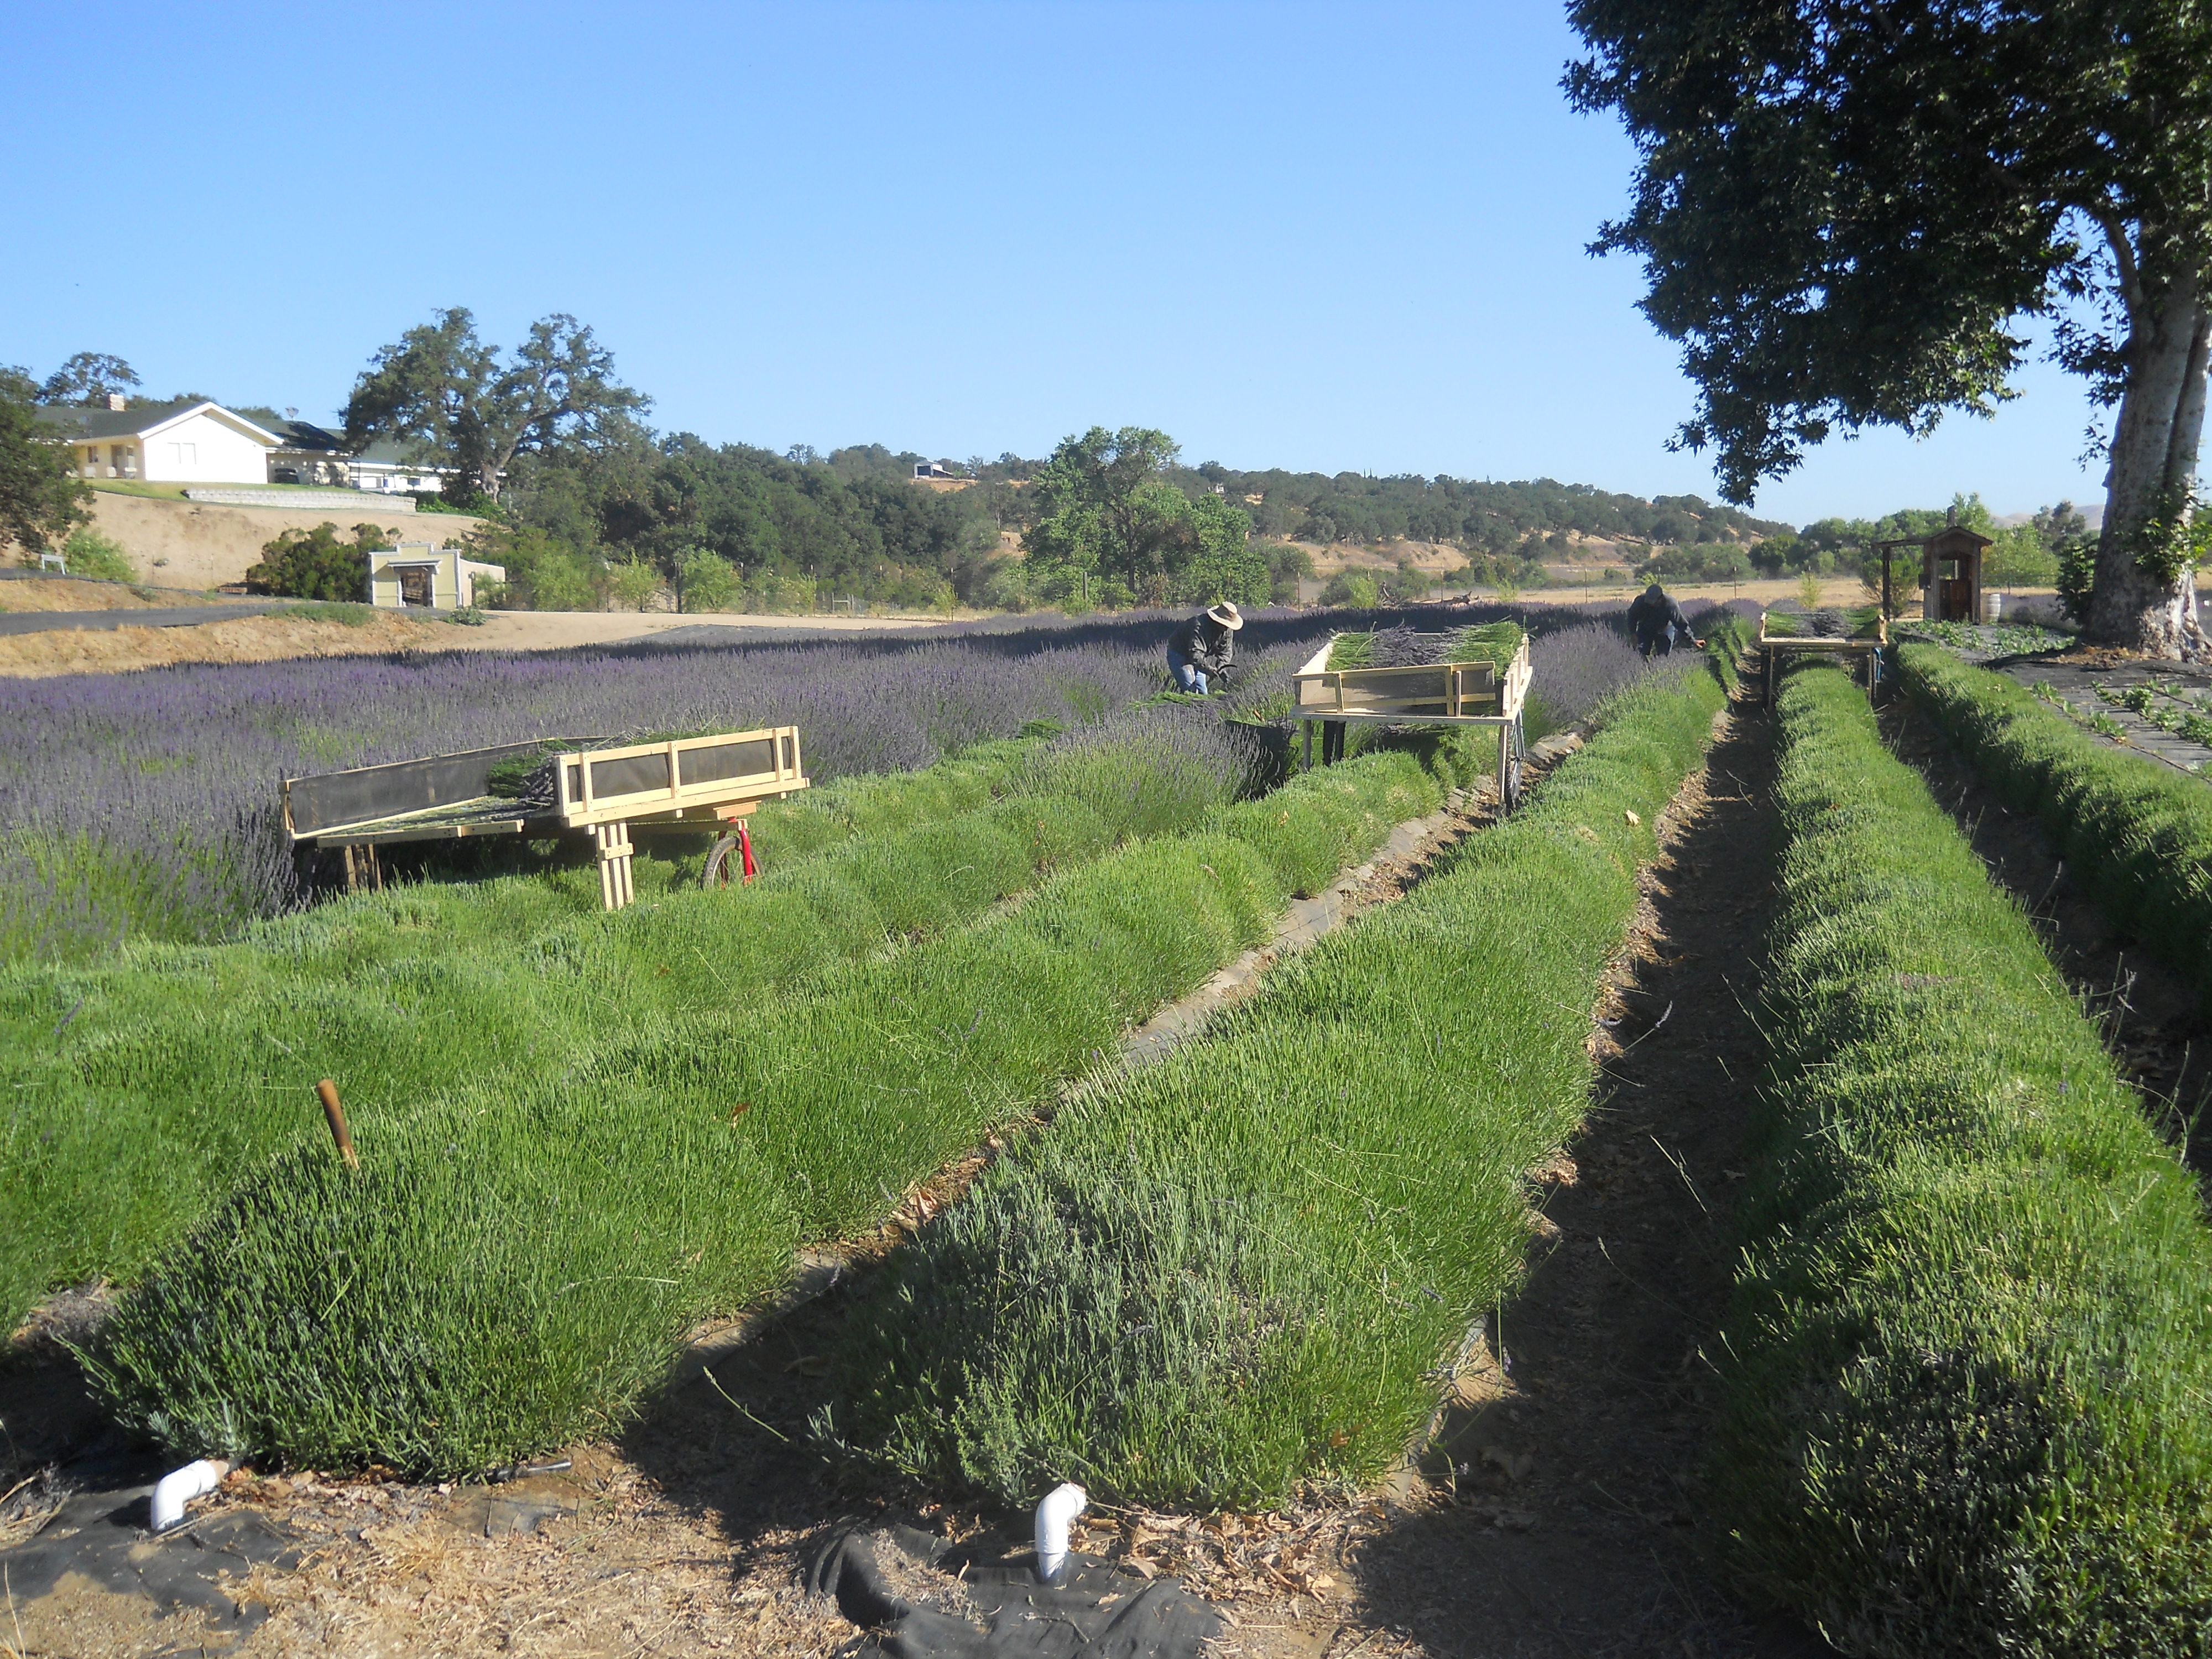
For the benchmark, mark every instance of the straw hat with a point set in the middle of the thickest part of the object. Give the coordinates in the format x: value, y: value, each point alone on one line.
x: 1227, y: 615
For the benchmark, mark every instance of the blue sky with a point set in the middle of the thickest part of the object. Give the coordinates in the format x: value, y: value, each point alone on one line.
x: 1343, y: 237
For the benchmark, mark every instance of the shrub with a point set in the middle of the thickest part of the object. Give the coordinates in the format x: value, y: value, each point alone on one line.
x: 705, y: 581
x: 440, y: 1348
x: 2138, y: 836
x: 97, y: 557
x: 2076, y: 576
x: 1970, y: 1349
x: 543, y: 571
x: 1239, y: 1270
x: 631, y: 583
x: 314, y: 564
x: 1357, y: 589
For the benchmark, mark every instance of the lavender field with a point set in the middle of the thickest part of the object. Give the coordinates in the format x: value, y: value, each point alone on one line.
x: 145, y: 804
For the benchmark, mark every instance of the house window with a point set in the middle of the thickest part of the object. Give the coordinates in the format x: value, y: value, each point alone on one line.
x: 183, y: 455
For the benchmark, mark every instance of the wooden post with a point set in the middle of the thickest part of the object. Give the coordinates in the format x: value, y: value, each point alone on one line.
x: 616, y: 888
x: 327, y: 1092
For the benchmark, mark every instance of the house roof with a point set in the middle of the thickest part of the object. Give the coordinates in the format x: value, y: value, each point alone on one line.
x: 305, y: 438
x: 139, y: 421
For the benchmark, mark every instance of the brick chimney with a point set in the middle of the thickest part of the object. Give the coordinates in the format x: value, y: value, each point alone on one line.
x: 117, y: 401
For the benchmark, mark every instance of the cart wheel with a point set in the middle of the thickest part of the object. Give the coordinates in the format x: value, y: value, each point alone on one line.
x: 717, y: 873
x: 1513, y: 784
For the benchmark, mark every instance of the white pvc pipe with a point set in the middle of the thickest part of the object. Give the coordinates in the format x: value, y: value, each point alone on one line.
x: 1062, y: 1506
x: 180, y: 1487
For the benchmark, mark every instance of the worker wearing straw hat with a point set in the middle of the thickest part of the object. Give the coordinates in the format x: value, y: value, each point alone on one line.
x: 1205, y: 647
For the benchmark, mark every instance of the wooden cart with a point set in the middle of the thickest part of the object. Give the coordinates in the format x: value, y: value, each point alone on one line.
x: 1780, y: 646
x: 1472, y: 693
x: 689, y: 786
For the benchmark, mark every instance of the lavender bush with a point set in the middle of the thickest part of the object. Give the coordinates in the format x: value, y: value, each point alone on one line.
x: 147, y: 802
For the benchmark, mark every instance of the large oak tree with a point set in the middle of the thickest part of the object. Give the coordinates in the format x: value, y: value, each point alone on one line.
x: 448, y: 398
x: 1848, y: 209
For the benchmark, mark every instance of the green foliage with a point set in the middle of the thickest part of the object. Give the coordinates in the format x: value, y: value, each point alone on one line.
x: 1236, y: 1272
x: 769, y: 1121
x: 2177, y: 538
x: 97, y: 557
x: 1836, y: 246
x: 1523, y: 519
x: 87, y: 381
x: 1496, y: 643
x: 704, y: 581
x: 2136, y: 836
x: 446, y: 396
x: 41, y: 497
x: 314, y: 564
x: 1355, y: 590
x: 543, y: 573
x: 1970, y: 1349
x: 1706, y: 562
x: 1112, y: 528
x: 630, y: 584
x: 183, y: 1062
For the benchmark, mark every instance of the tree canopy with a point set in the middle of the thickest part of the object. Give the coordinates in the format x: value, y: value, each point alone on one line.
x: 87, y: 381
x: 1845, y: 211
x: 1111, y: 526
x: 41, y: 497
x: 449, y: 398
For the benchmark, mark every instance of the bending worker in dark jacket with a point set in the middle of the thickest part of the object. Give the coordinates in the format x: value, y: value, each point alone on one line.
x: 1657, y: 621
x: 1205, y: 646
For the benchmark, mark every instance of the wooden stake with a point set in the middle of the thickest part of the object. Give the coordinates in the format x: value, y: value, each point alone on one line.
x: 327, y: 1091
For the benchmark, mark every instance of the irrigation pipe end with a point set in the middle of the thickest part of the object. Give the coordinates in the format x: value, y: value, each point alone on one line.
x: 180, y: 1487
x: 1060, y: 1505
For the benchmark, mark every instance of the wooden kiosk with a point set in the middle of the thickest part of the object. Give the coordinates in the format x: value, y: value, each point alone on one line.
x: 1427, y: 694
x: 1950, y: 574
x: 687, y: 786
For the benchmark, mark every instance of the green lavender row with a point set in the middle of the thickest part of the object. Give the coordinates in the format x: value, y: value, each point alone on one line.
x: 139, y: 1087
x: 1237, y: 1273
x: 514, y: 1262
x: 2137, y: 836
x: 1969, y: 1358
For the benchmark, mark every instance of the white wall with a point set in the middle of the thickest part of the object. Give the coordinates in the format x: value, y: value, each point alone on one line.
x: 202, y: 449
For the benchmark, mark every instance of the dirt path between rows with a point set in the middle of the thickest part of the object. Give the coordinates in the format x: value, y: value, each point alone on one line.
x: 2154, y: 1024
x: 1573, y: 1532
x: 1556, y: 1520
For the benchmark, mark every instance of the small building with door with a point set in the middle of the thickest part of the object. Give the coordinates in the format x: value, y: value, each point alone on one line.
x: 1951, y: 575
x: 419, y: 576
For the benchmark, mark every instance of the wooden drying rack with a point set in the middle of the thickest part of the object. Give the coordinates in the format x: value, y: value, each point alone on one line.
x: 689, y: 786
x: 1779, y: 646
x: 1467, y: 693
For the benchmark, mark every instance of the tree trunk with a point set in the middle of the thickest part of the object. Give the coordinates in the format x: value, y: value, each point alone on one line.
x: 2154, y: 470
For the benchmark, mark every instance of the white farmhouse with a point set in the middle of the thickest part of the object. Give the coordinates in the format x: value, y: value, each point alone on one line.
x: 163, y: 443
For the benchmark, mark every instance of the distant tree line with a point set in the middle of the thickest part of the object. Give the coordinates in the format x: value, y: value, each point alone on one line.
x: 1479, y: 516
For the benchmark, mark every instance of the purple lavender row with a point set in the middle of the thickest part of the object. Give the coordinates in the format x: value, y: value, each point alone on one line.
x: 147, y: 802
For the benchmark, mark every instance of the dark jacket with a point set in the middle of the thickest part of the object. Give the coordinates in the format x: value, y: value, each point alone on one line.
x: 1204, y: 644
x: 1649, y: 612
